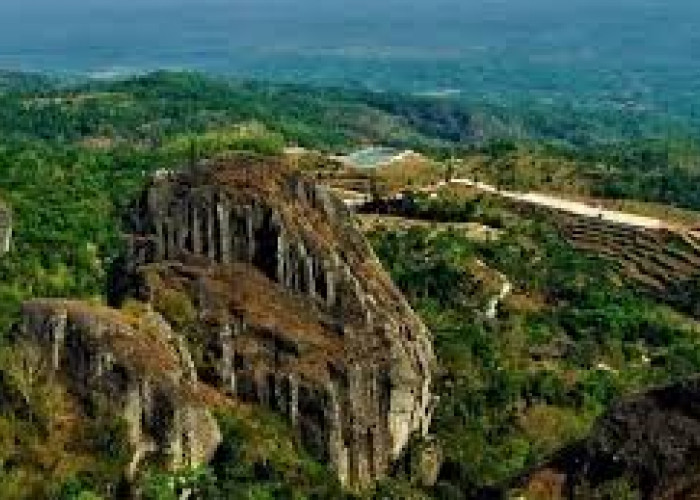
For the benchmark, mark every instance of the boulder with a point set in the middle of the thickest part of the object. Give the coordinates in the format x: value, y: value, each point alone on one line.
x: 649, y: 443
x: 137, y: 368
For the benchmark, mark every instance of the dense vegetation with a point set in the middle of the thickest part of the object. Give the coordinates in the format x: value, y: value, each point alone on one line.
x: 570, y: 339
x: 652, y: 170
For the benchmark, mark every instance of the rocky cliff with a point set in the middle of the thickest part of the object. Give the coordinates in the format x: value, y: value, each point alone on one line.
x: 137, y: 368
x: 292, y: 309
x: 5, y: 228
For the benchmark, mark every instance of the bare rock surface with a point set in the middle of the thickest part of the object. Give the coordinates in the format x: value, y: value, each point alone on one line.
x: 135, y: 368
x: 258, y: 288
x: 293, y: 310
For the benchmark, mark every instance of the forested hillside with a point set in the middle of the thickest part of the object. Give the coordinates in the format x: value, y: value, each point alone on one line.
x: 570, y: 338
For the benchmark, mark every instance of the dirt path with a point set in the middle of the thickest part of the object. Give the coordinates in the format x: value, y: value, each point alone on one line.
x: 495, y: 302
x: 564, y: 205
x: 543, y: 200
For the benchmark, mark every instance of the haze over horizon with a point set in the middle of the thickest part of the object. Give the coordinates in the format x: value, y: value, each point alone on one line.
x: 406, y: 44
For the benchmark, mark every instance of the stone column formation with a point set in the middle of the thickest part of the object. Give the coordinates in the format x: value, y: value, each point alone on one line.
x: 144, y: 375
x: 252, y: 234
x: 357, y: 392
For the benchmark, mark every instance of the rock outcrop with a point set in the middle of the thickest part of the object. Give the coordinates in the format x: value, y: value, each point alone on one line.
x: 293, y: 310
x: 5, y: 229
x: 650, y: 442
x: 137, y: 368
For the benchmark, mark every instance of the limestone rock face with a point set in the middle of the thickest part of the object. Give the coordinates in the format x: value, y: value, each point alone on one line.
x: 294, y: 311
x: 5, y: 229
x: 136, y: 368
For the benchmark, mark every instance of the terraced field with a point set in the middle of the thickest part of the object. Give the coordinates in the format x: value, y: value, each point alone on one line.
x: 660, y: 257
x: 657, y: 259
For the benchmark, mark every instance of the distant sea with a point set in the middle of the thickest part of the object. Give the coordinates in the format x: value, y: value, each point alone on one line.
x: 625, y: 53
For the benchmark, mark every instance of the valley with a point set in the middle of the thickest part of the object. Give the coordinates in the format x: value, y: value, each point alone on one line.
x: 187, y: 257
